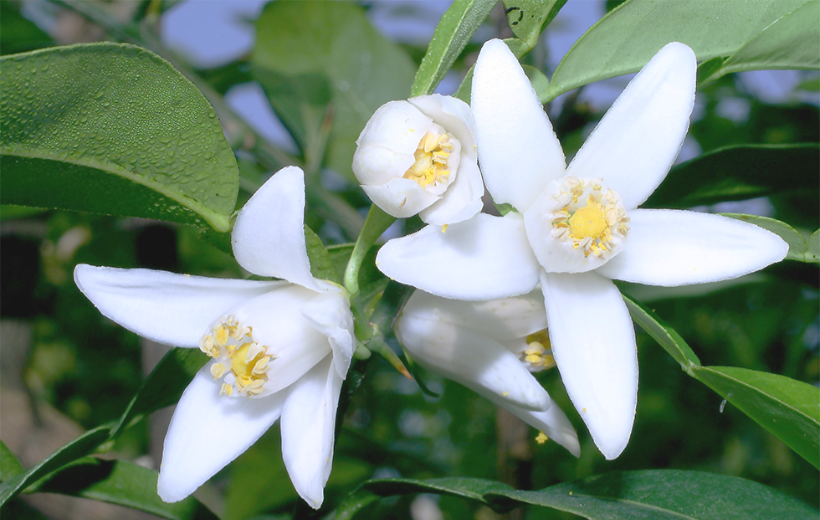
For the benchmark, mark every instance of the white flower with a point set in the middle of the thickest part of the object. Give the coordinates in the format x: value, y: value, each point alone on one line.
x: 576, y: 228
x: 490, y: 347
x: 279, y: 348
x: 419, y: 156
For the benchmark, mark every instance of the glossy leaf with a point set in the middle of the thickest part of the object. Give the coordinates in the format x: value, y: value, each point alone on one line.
x: 787, y: 408
x: 452, y: 34
x: 78, y: 448
x: 320, y: 265
x: 121, y: 483
x: 788, y: 43
x: 334, y: 40
x: 654, y: 494
x: 9, y: 465
x: 626, y: 38
x: 164, y: 385
x: 738, y: 173
x: 798, y: 247
x: 662, y: 333
x: 114, y: 129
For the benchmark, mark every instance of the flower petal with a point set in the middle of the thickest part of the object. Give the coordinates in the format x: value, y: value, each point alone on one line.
x: 517, y: 147
x: 462, y: 200
x: 330, y: 314
x: 400, y: 198
x: 278, y: 324
x: 168, y: 308
x: 636, y: 142
x: 472, y: 359
x: 207, y: 432
x: 377, y: 165
x: 269, y: 235
x: 308, y: 424
x: 593, y: 342
x: 453, y: 114
x: 397, y: 125
x: 553, y: 422
x: 480, y: 259
x: 503, y: 320
x: 669, y: 248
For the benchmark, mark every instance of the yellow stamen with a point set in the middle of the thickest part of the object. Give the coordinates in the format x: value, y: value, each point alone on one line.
x: 588, y: 222
x: 431, y: 160
x: 541, y: 438
x: 217, y: 370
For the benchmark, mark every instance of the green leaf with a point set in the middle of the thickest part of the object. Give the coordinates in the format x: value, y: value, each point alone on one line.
x: 452, y: 34
x: 626, y: 38
x: 787, y: 408
x: 663, y: 334
x: 813, y: 245
x: 163, y: 386
x: 737, y: 173
x: 320, y: 265
x: 539, y: 82
x: 79, y: 447
x: 122, y: 483
x: 527, y: 18
x: 810, y: 85
x: 9, y: 465
x: 654, y: 494
x: 662, y: 494
x: 798, y: 247
x: 334, y: 40
x: 114, y: 129
x: 789, y: 43
x: 17, y: 33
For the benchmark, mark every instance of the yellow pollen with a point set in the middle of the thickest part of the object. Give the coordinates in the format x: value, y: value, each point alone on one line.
x: 431, y: 160
x: 221, y: 335
x: 541, y: 438
x: 243, y: 365
x: 588, y: 222
x: 444, y: 228
x: 217, y: 369
x: 538, y: 355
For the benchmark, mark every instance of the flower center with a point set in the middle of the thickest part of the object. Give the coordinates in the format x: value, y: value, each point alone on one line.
x: 588, y: 218
x: 538, y: 354
x: 243, y: 363
x: 432, y: 156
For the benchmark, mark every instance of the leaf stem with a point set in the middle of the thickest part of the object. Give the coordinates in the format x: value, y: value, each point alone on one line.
x: 377, y: 222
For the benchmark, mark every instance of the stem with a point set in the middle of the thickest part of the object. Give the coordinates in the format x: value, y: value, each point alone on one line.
x: 377, y: 222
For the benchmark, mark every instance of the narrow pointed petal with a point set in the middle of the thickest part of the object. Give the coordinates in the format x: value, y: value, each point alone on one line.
x: 207, y: 432
x: 480, y: 259
x: 330, y: 314
x: 503, y: 320
x: 593, y: 342
x: 553, y: 422
x: 292, y: 341
x: 636, y: 142
x: 462, y: 200
x: 472, y: 359
x: 269, y: 235
x: 400, y: 198
x: 517, y: 148
x: 308, y: 423
x: 168, y: 308
x: 669, y: 248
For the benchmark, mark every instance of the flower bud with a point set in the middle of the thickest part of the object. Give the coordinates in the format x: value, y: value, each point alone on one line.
x: 419, y: 157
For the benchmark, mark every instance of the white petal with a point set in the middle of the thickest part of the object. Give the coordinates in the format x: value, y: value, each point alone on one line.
x: 517, y: 148
x: 669, y: 248
x: 472, y: 359
x: 269, y: 235
x: 330, y: 314
x: 397, y: 125
x: 453, y: 114
x: 462, y: 200
x: 278, y: 324
x: 207, y: 432
x: 636, y: 142
x: 173, y: 309
x: 480, y: 259
x: 308, y: 424
x: 377, y: 165
x: 503, y: 320
x: 553, y: 423
x: 400, y: 197
x: 593, y: 342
